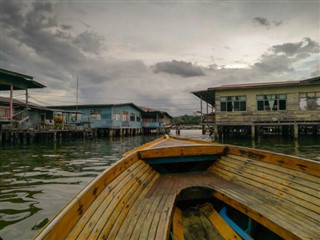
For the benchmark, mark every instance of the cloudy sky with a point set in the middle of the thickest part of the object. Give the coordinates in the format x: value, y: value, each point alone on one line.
x: 154, y: 53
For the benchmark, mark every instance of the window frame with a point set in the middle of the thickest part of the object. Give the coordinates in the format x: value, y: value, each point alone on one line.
x: 271, y: 102
x: 233, y: 103
x: 307, y: 99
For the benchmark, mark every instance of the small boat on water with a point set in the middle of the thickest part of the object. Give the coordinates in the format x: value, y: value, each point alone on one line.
x: 174, y: 188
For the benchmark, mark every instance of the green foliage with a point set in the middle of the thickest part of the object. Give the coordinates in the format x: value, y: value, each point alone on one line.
x: 187, y: 119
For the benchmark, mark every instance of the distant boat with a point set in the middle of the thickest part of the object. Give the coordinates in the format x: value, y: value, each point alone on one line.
x: 174, y: 188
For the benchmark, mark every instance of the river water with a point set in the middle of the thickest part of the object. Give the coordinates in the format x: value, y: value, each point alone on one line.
x: 36, y: 181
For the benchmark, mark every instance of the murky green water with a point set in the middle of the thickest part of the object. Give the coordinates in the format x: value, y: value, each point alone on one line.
x: 36, y: 181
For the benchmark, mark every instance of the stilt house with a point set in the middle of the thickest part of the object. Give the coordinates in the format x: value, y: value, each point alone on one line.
x: 287, y: 108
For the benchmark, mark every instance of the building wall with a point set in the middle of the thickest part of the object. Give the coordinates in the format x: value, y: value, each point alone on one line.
x: 113, y: 116
x: 126, y: 116
x: 292, y: 112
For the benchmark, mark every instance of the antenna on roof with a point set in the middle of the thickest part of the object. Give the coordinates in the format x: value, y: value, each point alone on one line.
x: 77, y: 93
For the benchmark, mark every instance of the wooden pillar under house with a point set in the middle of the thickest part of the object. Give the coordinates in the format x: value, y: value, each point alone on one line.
x: 253, y: 131
x: 11, y: 103
x: 295, y: 131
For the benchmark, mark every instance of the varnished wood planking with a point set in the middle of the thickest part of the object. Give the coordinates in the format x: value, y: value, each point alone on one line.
x: 285, y: 189
x: 151, y: 224
x: 130, y: 193
x: 289, y: 175
x: 177, y: 226
x: 182, y: 151
x: 197, y: 226
x: 285, y: 226
x: 254, y: 214
x: 270, y: 200
x: 302, y: 165
x: 217, y: 221
x: 129, y: 222
x: 65, y: 220
x: 165, y: 216
x: 236, y: 175
x: 271, y: 212
x: 122, y: 216
x: 94, y: 211
x: 111, y: 204
x: 135, y: 219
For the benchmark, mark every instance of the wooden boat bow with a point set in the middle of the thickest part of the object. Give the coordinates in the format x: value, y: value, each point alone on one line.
x: 156, y: 192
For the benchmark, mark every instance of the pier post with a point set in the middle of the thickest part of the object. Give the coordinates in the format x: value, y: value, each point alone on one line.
x: 315, y: 130
x: 295, y: 131
x: 253, y: 131
x: 203, y: 129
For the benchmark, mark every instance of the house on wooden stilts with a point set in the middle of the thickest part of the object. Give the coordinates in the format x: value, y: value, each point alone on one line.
x: 107, y: 119
x: 155, y: 121
x: 12, y: 82
x: 289, y: 108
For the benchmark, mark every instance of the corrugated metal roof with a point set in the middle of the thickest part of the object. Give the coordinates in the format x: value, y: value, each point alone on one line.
x: 95, y: 105
x: 17, y: 102
x: 208, y: 96
x: 18, y: 80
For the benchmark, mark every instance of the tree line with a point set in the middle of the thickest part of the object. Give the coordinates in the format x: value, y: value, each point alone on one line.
x: 187, y: 120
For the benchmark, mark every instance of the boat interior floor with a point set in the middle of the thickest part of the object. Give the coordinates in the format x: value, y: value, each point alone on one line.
x: 140, y: 203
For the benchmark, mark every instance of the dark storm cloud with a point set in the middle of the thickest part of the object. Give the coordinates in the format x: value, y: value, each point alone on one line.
x: 89, y: 42
x: 305, y: 46
x: 11, y: 14
x: 265, y: 22
x: 181, y: 68
x: 35, y: 40
x: 66, y: 27
x: 261, y: 21
x: 38, y: 30
x: 273, y: 63
x: 281, y: 57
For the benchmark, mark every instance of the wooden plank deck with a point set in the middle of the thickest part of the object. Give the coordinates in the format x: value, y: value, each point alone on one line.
x: 292, y: 212
x: 139, y: 202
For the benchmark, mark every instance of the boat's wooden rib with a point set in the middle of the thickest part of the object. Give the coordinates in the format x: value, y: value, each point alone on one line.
x: 217, y: 221
x: 132, y: 200
x: 177, y: 225
x: 196, y: 225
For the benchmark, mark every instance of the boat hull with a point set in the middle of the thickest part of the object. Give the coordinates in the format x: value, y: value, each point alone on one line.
x: 153, y: 190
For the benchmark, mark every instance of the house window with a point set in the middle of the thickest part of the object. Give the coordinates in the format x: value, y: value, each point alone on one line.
x: 125, y: 116
x: 138, y: 118
x: 132, y: 117
x: 233, y: 104
x: 116, y: 114
x: 272, y: 102
x: 310, y: 101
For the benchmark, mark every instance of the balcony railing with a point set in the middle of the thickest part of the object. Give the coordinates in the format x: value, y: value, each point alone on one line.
x: 20, y: 116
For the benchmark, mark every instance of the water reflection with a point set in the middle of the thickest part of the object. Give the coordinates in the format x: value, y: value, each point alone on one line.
x: 36, y: 181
